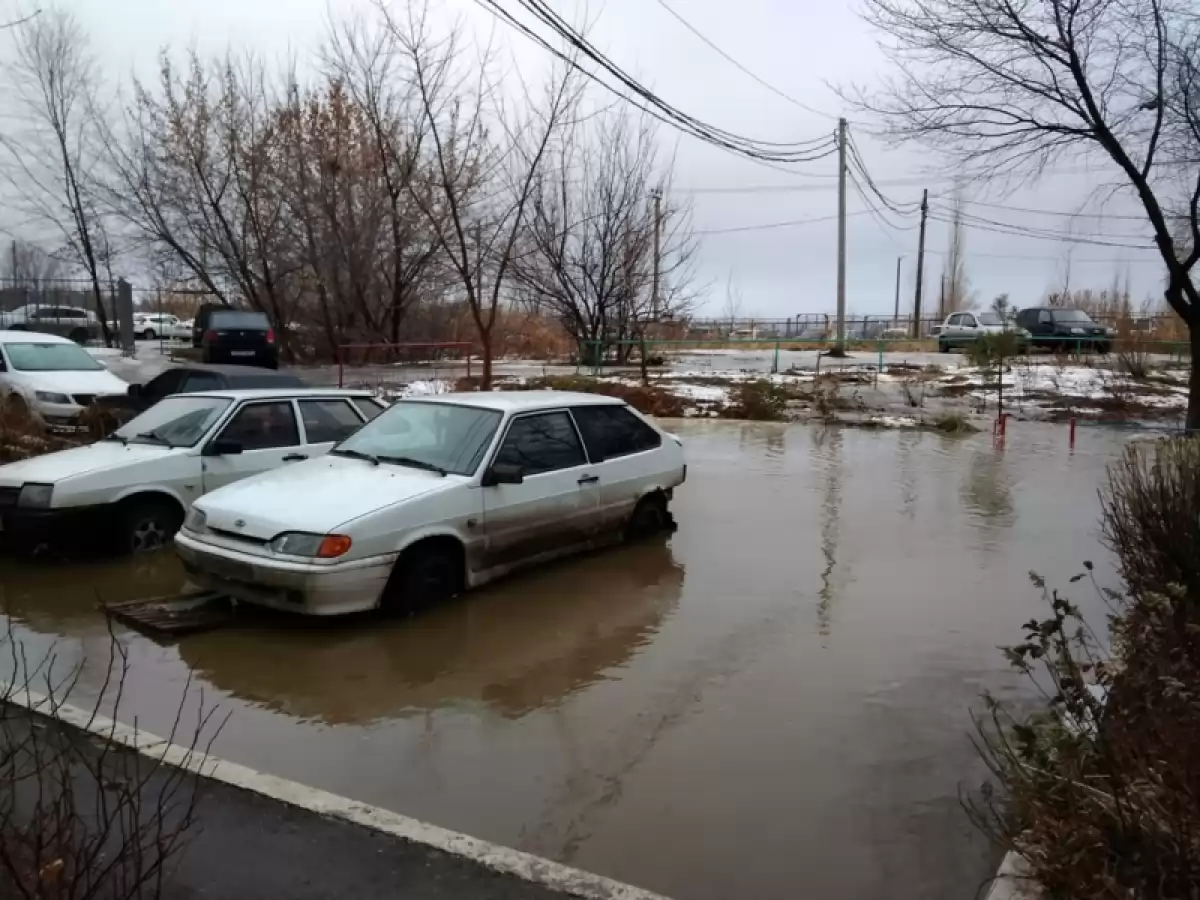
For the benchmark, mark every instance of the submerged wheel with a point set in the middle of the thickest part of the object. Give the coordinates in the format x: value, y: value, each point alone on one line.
x: 148, y: 524
x: 424, y: 576
x: 649, y: 517
x: 943, y: 347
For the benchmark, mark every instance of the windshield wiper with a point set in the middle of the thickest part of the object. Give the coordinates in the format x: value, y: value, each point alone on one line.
x: 117, y: 437
x: 415, y: 463
x: 152, y: 436
x: 357, y: 454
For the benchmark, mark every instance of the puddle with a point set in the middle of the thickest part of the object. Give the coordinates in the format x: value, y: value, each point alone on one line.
x: 772, y: 701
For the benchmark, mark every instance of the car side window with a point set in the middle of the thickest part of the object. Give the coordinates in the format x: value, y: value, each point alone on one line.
x: 954, y: 319
x: 328, y: 420
x: 369, y: 408
x: 263, y: 426
x: 542, y: 443
x: 165, y: 384
x: 610, y: 431
x: 202, y: 381
x: 1044, y: 317
x: 968, y: 320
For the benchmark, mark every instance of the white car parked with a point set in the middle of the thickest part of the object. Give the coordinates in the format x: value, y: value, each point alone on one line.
x: 436, y: 495
x: 134, y: 487
x: 152, y: 326
x: 52, y: 377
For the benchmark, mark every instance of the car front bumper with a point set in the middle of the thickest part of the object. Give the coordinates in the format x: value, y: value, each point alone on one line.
x: 69, y: 526
x: 328, y: 589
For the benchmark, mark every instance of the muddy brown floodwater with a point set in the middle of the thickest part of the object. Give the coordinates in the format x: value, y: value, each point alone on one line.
x: 772, y: 702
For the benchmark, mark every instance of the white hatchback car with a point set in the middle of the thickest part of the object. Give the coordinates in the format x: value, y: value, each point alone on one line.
x: 436, y: 495
x: 132, y: 488
x: 52, y: 377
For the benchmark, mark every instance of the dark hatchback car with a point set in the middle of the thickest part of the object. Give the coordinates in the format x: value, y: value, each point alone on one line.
x: 191, y: 379
x: 1064, y: 329
x: 239, y: 336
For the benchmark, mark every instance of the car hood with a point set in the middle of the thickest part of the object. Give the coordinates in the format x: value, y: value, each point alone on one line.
x: 52, y: 468
x: 315, y: 496
x: 99, y: 382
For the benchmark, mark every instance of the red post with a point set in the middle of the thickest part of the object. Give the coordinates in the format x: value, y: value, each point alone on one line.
x: 1071, y: 433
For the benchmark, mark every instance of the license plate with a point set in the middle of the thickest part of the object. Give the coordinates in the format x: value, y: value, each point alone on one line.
x: 227, y: 568
x: 241, y: 353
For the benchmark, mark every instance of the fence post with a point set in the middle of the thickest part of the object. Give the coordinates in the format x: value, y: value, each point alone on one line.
x: 124, y: 316
x: 775, y: 364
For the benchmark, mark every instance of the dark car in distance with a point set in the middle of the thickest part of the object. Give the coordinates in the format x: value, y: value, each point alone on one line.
x: 1064, y: 329
x: 238, y: 336
x: 191, y: 379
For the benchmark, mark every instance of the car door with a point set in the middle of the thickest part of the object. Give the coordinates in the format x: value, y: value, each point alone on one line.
x: 325, y: 422
x: 261, y: 435
x: 620, y: 446
x: 968, y: 328
x: 950, y: 331
x: 557, y: 502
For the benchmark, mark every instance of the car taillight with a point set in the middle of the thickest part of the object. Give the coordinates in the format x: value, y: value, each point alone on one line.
x: 270, y: 335
x: 210, y: 335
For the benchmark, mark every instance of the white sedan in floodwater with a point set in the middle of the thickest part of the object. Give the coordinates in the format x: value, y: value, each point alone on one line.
x: 434, y: 496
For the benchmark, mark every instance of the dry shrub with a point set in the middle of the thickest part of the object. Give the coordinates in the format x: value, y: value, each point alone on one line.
x: 21, y: 436
x: 1102, y: 787
x: 952, y: 422
x: 1132, y: 352
x: 648, y: 399
x: 759, y: 400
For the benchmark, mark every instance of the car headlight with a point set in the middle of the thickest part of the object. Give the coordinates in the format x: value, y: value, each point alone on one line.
x: 319, y: 546
x: 195, y: 520
x: 51, y: 397
x: 35, y: 496
x: 1076, y: 331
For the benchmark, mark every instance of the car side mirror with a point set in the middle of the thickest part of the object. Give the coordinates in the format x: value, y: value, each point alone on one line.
x: 503, y: 473
x: 222, y: 447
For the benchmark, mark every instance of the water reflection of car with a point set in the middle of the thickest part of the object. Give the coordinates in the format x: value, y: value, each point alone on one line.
x: 434, y: 496
x: 51, y: 377
x: 132, y: 489
x: 961, y: 329
x: 513, y: 648
x: 1065, y: 329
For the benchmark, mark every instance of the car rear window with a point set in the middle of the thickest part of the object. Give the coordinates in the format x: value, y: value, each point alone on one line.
x: 236, y: 319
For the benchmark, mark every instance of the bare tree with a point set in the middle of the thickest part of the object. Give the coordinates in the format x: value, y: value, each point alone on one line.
x: 732, y: 308
x: 588, y: 256
x: 54, y: 150
x: 28, y: 265
x: 957, y: 288
x: 476, y: 139
x: 1004, y: 87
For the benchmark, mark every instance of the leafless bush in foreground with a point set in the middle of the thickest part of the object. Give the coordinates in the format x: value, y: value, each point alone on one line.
x: 81, y: 817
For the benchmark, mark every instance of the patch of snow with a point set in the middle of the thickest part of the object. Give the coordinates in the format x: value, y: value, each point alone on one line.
x: 706, y: 393
x: 893, y: 421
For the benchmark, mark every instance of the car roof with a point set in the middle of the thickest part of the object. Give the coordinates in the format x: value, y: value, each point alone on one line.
x: 520, y: 401
x: 280, y: 393
x: 32, y: 337
x: 234, y: 371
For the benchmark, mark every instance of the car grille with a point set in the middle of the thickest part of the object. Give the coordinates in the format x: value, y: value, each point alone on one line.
x: 235, y: 536
x: 8, y: 496
x: 84, y: 399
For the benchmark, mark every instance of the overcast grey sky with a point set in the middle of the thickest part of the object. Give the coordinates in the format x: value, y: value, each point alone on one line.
x: 799, y: 47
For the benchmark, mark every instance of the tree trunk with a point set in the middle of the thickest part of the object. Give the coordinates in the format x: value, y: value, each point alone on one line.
x: 1193, y: 411
x: 485, y: 376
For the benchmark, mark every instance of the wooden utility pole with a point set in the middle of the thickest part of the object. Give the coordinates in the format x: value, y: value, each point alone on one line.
x: 896, y: 309
x: 920, y: 264
x: 840, y: 345
x: 657, y: 195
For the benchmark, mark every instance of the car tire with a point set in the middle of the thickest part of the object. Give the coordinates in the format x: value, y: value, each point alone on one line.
x: 649, y: 517
x: 15, y: 406
x: 148, y: 524
x: 423, y: 577
x: 149, y: 334
x: 79, y: 336
x: 943, y: 347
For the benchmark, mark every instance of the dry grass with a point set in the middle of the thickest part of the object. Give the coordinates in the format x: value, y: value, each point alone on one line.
x: 21, y: 437
x: 651, y: 400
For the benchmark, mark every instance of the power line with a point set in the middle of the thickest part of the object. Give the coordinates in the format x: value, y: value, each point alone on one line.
x: 651, y: 103
x: 765, y: 226
x: 1054, y: 212
x: 982, y: 225
x: 1074, y: 259
x: 770, y: 87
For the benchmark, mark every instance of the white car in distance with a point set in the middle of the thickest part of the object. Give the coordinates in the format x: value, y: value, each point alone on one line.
x: 152, y: 326
x: 133, y: 488
x: 436, y: 495
x: 53, y: 378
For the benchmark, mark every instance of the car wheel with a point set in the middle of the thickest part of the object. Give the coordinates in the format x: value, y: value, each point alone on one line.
x: 79, y: 335
x: 423, y: 577
x: 649, y: 517
x: 15, y: 406
x: 148, y: 525
x: 149, y: 334
x: 943, y: 347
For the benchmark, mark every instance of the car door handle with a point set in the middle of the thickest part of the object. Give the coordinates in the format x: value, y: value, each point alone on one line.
x: 295, y: 457
x: 589, y: 479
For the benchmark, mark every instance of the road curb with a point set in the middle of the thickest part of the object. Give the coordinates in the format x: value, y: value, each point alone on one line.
x: 504, y: 860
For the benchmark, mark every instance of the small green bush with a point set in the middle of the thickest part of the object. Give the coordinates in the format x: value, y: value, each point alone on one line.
x: 759, y: 400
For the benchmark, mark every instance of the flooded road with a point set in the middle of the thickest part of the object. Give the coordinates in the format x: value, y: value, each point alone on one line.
x: 771, y: 702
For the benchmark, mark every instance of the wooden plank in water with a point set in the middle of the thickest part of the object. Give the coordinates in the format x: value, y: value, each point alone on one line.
x: 177, y: 614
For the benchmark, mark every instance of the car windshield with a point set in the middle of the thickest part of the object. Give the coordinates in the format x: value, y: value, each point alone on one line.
x: 33, y: 357
x: 1074, y: 316
x: 178, y: 421
x: 989, y: 318
x: 447, y: 436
